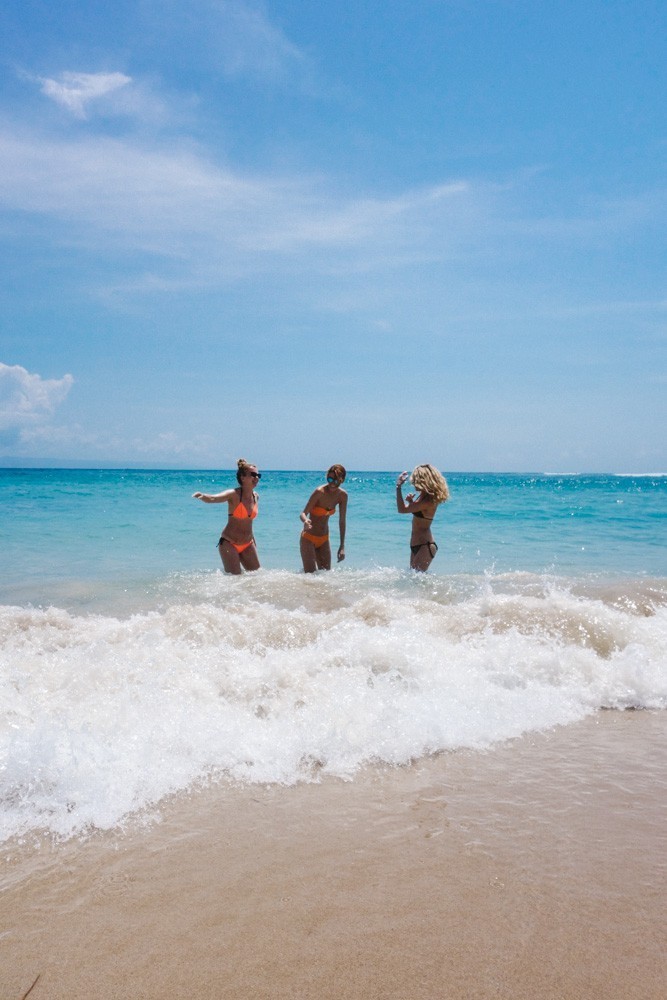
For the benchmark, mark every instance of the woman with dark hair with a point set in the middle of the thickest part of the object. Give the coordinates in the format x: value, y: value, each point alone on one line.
x: 315, y: 547
x: 433, y: 490
x: 237, y: 544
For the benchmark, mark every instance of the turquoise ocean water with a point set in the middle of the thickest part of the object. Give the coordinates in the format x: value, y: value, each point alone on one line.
x: 131, y: 667
x: 69, y: 532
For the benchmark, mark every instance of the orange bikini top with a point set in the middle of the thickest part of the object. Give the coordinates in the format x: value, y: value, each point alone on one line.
x: 241, y: 511
x: 322, y: 511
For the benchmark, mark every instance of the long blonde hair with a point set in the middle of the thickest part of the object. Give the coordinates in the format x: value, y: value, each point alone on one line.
x: 428, y: 479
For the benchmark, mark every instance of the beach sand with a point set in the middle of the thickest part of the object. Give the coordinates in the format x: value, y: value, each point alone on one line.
x: 533, y: 870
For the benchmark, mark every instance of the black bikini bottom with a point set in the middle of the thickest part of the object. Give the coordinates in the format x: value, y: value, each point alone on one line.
x: 432, y: 547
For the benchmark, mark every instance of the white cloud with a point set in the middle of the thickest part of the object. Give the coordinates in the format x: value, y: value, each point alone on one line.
x: 28, y: 402
x: 176, y: 204
x: 228, y: 37
x: 357, y: 219
x: 74, y: 91
x: 250, y: 43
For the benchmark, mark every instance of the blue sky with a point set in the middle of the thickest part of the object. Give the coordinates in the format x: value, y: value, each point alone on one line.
x: 369, y: 233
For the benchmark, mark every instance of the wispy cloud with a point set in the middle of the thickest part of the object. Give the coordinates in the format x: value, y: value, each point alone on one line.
x: 249, y: 42
x: 177, y: 204
x: 177, y: 219
x: 230, y: 38
x: 171, y: 445
x: 75, y: 91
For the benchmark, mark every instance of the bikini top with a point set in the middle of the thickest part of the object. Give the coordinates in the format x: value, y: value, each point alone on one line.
x: 241, y: 511
x: 420, y: 513
x: 322, y: 511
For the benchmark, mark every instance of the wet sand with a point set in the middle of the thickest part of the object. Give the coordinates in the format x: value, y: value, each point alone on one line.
x: 536, y: 870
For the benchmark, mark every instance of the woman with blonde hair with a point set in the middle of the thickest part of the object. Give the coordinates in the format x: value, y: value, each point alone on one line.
x: 237, y: 546
x: 314, y: 543
x: 433, y: 490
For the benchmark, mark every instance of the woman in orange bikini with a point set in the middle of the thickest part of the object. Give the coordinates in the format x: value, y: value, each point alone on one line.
x: 237, y: 545
x: 433, y: 490
x: 315, y: 548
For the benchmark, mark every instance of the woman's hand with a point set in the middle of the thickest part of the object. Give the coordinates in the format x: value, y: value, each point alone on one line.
x: 341, y: 553
x: 199, y: 496
x: 307, y: 523
x: 401, y: 479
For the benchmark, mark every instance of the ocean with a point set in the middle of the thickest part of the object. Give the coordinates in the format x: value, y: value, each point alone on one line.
x: 132, y: 668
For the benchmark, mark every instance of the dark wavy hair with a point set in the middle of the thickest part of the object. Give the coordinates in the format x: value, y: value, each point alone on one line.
x: 242, y: 465
x: 337, y: 472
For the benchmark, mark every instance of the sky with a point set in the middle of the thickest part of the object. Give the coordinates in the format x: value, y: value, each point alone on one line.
x: 378, y: 234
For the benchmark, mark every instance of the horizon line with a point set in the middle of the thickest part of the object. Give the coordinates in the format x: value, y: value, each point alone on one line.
x: 82, y: 466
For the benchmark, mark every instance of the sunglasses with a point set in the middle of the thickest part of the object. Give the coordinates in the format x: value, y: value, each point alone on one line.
x: 253, y: 475
x: 330, y: 479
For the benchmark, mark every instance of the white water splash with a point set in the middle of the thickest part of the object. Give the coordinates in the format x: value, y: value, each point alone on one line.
x: 276, y: 677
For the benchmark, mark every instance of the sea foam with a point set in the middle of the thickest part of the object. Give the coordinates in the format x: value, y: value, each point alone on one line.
x: 279, y: 677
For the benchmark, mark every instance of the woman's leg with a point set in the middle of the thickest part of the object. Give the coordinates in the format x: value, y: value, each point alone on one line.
x: 249, y: 558
x: 230, y: 557
x: 323, y: 555
x: 308, y: 557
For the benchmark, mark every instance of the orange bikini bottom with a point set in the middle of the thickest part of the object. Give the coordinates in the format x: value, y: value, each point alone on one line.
x: 239, y: 546
x: 317, y: 540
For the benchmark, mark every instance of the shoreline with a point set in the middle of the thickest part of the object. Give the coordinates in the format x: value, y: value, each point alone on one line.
x: 533, y: 870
